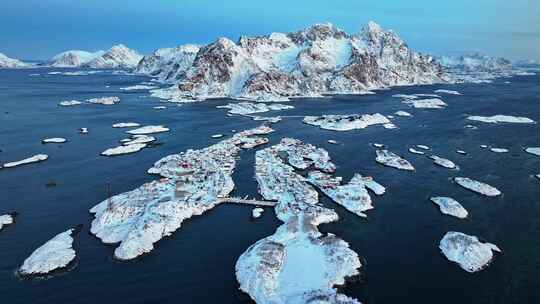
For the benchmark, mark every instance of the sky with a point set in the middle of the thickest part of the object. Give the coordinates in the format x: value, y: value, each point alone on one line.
x: 39, y: 29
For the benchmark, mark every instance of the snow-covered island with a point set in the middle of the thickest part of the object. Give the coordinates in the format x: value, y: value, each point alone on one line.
x: 449, y: 92
x: 69, y: 103
x: 346, y: 122
x: 138, y: 139
x: 533, y: 150
x: 34, y: 159
x: 54, y: 140
x: 415, y: 151
x: 321, y: 59
x: 126, y: 125
x: 467, y: 251
x: 443, y: 162
x: 403, y: 114
x: 257, y: 212
x: 298, y: 263
x: 501, y: 119
x: 450, y: 206
x: 148, y: 130
x: 248, y: 108
x: 499, y: 150
x: 429, y: 103
x: 198, y: 180
x: 476, y: 186
x: 193, y: 182
x: 390, y: 159
x: 56, y: 254
x: 6, y: 219
x: 124, y: 149
x: 107, y: 101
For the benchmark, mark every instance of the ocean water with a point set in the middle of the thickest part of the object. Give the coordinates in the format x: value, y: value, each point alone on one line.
x: 398, y: 242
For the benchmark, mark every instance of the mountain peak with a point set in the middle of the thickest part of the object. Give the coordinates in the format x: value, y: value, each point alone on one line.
x: 318, y: 31
x: 374, y: 27
x: 119, y: 47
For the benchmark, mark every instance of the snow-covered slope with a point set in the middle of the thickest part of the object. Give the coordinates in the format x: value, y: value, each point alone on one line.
x: 320, y: 59
x: 10, y: 63
x: 168, y: 64
x: 119, y: 56
x: 74, y: 58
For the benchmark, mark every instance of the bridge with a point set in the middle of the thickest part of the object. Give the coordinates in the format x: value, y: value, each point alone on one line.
x: 247, y: 201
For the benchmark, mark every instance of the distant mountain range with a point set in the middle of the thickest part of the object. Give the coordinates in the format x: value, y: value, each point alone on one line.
x: 321, y: 59
x: 476, y: 62
x: 119, y: 56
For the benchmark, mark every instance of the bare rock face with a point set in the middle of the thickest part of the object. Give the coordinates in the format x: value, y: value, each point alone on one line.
x: 274, y: 85
x: 321, y: 59
x: 220, y: 69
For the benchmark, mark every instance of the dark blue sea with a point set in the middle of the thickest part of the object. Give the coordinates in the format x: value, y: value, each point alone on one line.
x: 398, y: 242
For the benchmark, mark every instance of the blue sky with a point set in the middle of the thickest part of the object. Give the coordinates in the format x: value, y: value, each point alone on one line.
x: 38, y: 29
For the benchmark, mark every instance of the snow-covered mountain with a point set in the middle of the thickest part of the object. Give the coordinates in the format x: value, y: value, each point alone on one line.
x: 73, y: 58
x: 320, y: 59
x: 168, y: 64
x: 527, y: 63
x: 476, y: 67
x: 476, y: 62
x: 10, y: 63
x: 119, y: 56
